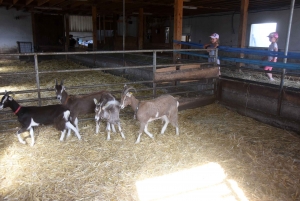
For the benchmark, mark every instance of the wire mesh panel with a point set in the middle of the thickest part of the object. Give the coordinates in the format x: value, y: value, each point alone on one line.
x: 24, y: 47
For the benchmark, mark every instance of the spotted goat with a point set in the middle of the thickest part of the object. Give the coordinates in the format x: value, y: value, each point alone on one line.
x: 33, y: 116
x: 108, y: 109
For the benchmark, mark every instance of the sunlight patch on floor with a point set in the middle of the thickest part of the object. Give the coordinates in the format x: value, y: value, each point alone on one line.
x: 207, y: 182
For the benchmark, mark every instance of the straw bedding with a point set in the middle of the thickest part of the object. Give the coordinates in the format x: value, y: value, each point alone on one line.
x: 263, y: 160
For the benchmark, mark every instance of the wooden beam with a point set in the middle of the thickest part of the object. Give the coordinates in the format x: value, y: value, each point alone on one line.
x: 94, y: 17
x: 178, y: 14
x: 42, y: 2
x: 28, y: 2
x: 243, y: 26
x: 55, y: 2
x: 187, y: 74
x: 141, y: 29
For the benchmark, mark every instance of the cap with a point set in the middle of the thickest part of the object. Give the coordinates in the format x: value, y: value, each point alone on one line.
x: 273, y: 34
x: 214, y: 35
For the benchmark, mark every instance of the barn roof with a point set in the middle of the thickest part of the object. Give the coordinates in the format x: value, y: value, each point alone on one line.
x: 159, y: 8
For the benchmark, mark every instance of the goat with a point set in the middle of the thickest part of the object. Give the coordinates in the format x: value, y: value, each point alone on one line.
x: 164, y: 107
x: 32, y: 116
x: 78, y: 104
x: 108, y: 110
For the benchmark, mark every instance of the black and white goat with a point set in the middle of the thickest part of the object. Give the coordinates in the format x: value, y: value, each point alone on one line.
x: 32, y: 116
x: 164, y: 107
x: 108, y: 110
x: 78, y: 104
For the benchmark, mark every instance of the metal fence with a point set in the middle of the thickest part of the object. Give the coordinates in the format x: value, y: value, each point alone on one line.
x: 184, y: 89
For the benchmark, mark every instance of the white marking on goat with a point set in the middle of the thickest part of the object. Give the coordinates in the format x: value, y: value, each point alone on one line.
x: 164, y: 118
x: 32, y: 136
x: 32, y: 123
x: 108, y: 131
x: 66, y: 115
x: 62, y: 137
x: 70, y: 126
x: 157, y: 113
x: 20, y: 139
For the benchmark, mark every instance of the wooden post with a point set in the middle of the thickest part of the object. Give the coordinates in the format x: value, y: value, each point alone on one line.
x: 104, y: 29
x: 100, y: 29
x: 33, y: 31
x: 94, y: 17
x: 178, y: 14
x: 115, y: 25
x: 243, y: 27
x: 141, y: 28
x: 67, y: 28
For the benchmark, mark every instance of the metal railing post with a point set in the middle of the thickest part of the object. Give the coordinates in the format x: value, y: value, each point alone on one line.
x: 154, y: 71
x: 285, y: 59
x: 36, y: 67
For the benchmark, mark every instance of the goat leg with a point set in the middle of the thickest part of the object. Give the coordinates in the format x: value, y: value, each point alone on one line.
x: 70, y: 126
x: 147, y: 132
x: 32, y: 136
x: 166, y: 120
x: 138, y: 139
x: 120, y: 129
x: 97, y: 126
x: 62, y: 137
x: 19, y: 135
x: 108, y: 131
x: 113, y: 128
x: 75, y: 123
x: 143, y: 126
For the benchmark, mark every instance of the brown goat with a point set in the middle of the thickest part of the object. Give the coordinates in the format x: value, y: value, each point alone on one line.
x: 164, y: 107
x: 78, y: 104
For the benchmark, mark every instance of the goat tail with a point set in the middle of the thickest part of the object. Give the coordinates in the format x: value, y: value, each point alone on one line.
x: 177, y: 103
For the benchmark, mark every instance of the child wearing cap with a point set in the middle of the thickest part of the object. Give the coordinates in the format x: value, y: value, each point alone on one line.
x: 273, y: 38
x: 214, y: 43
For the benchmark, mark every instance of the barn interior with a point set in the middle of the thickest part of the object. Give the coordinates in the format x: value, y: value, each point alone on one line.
x: 239, y: 132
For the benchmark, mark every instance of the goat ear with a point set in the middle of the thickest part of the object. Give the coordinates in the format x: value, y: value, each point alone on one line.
x: 55, y: 82
x: 129, y: 94
x: 95, y: 101
x: 62, y: 82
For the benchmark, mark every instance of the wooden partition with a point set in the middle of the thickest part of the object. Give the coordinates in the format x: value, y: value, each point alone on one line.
x: 185, y: 72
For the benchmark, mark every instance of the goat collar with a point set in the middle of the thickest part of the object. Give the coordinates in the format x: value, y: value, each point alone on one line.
x: 136, y: 109
x: 18, y: 109
x: 66, y: 101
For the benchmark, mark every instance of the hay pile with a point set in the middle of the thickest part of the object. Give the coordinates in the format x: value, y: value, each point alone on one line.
x: 263, y: 160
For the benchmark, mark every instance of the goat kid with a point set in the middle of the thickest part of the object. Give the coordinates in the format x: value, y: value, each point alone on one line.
x: 77, y: 104
x: 109, y: 111
x: 164, y: 107
x: 32, y: 116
